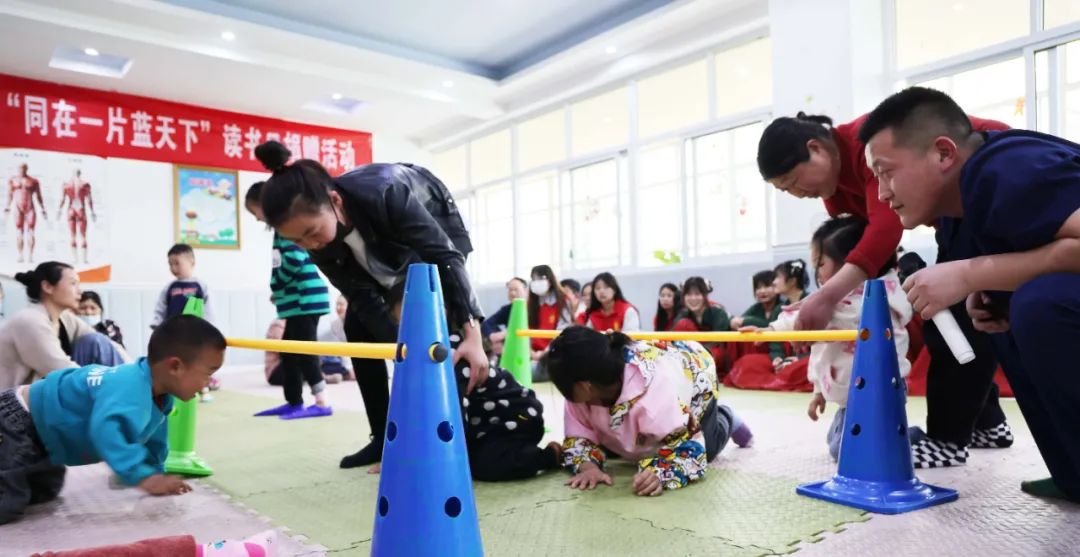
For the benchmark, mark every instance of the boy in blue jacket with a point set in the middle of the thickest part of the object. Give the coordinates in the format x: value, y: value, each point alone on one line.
x: 114, y: 414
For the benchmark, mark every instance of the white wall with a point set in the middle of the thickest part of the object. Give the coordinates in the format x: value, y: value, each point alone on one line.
x: 387, y: 148
x: 142, y: 231
x: 828, y: 58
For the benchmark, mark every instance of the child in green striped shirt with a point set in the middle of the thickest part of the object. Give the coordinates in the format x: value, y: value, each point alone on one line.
x: 301, y: 298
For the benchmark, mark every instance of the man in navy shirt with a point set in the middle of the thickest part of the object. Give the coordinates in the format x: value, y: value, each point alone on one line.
x: 1018, y: 193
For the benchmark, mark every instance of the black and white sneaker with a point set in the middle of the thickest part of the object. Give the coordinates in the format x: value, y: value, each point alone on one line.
x: 931, y: 453
x: 998, y: 437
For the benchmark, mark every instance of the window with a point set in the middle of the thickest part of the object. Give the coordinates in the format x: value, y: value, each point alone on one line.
x: 542, y: 140
x: 727, y: 195
x: 931, y: 30
x: 744, y: 77
x: 1062, y: 118
x: 994, y: 91
x: 600, y: 122
x: 591, y: 215
x: 489, y: 157
x: 451, y: 167
x: 1060, y: 12
x: 538, y: 221
x: 674, y: 99
x: 492, y: 233
x: 659, y: 204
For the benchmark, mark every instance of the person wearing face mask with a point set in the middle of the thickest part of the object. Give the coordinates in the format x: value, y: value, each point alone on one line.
x: 91, y: 313
x: 549, y: 309
x: 363, y: 229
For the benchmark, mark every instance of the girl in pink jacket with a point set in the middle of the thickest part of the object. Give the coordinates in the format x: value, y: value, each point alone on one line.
x: 651, y: 402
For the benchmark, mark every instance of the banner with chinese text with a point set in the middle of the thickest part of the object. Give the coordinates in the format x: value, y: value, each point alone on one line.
x: 48, y: 116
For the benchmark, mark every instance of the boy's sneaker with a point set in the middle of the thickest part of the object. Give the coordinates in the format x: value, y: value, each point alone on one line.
x: 205, y: 396
x: 931, y: 453
x: 215, y: 383
x: 313, y: 411
x: 998, y: 437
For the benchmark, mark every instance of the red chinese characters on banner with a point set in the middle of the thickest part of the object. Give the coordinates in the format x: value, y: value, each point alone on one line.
x: 53, y: 117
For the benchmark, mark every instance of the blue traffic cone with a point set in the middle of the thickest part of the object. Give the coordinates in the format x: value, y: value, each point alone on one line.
x: 425, y: 504
x: 875, y: 472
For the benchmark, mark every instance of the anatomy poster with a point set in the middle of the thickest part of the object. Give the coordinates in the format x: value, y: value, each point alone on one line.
x: 54, y: 208
x: 207, y: 208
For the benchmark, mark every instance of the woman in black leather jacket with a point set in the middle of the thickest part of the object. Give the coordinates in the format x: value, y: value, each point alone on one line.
x: 363, y: 229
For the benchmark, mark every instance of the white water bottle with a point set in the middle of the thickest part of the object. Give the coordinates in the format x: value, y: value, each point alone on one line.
x: 954, y: 337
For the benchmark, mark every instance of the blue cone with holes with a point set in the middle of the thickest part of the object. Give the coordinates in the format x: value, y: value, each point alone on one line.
x: 425, y: 504
x: 875, y: 472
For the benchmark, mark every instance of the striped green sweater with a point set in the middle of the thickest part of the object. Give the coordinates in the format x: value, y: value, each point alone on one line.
x: 295, y: 282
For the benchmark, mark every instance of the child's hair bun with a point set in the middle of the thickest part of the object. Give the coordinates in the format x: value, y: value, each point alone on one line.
x: 273, y: 155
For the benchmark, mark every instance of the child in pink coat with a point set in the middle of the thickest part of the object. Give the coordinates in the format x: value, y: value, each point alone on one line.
x: 651, y: 402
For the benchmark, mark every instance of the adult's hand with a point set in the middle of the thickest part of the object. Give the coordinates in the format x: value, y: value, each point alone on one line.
x: 938, y: 287
x: 471, y: 350
x: 815, y: 311
x: 985, y: 315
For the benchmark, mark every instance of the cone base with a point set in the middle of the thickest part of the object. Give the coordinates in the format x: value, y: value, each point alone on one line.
x: 879, y: 497
x: 187, y: 464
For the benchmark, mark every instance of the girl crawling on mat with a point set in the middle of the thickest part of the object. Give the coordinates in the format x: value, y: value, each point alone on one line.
x: 829, y: 369
x: 653, y: 402
x: 503, y: 421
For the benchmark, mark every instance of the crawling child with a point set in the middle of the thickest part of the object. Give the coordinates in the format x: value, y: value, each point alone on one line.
x: 95, y: 413
x: 651, y: 402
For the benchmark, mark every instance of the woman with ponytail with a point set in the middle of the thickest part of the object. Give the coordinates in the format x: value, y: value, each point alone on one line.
x: 807, y: 156
x: 363, y: 229
x: 632, y: 398
x: 47, y: 335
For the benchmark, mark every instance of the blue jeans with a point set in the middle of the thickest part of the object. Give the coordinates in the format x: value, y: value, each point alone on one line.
x: 95, y: 348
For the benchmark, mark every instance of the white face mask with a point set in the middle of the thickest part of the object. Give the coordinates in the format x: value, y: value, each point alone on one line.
x: 91, y: 320
x: 539, y: 287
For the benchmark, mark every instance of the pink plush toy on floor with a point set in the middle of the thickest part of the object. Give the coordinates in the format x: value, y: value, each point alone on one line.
x: 259, y: 545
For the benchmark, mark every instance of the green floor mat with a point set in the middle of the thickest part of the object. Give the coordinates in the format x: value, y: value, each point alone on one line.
x: 288, y: 471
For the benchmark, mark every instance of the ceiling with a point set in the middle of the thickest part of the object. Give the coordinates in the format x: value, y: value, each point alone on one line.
x: 489, y: 38
x: 425, y: 71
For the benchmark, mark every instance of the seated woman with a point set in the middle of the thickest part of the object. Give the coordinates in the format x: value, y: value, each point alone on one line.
x: 91, y: 312
x: 701, y: 314
x: 668, y: 305
x: 764, y: 311
x: 609, y: 310
x: 47, y: 335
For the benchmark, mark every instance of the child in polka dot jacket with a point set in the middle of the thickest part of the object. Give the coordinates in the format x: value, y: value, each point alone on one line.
x: 504, y: 422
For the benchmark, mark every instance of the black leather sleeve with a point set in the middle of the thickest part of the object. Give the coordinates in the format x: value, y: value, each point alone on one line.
x: 414, y: 226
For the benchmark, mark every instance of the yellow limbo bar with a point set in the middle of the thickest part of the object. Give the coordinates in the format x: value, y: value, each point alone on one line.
x: 724, y: 336
x: 374, y: 351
